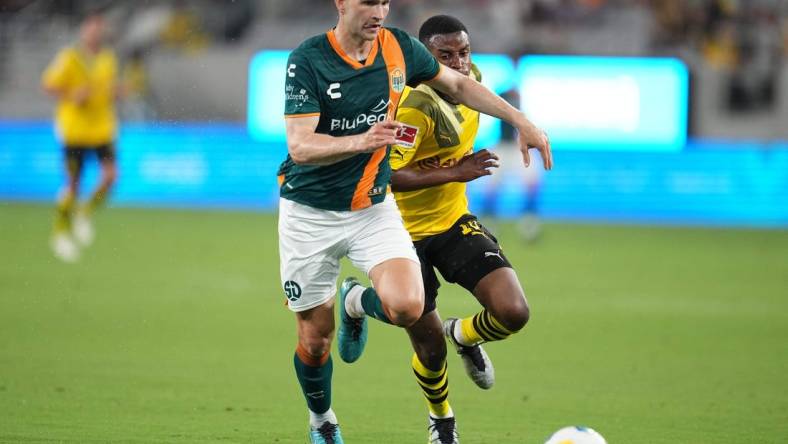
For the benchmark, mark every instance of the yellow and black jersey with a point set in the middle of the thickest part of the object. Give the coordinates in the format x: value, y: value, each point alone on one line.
x: 437, y: 135
x: 92, y: 123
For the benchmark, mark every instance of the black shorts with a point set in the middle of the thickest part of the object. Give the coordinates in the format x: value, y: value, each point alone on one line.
x: 464, y: 254
x: 75, y: 155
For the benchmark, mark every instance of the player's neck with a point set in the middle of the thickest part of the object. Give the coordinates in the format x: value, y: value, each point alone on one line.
x: 354, y: 46
x: 90, y: 49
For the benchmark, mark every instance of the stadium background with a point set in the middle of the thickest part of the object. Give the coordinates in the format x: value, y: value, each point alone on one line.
x: 171, y: 327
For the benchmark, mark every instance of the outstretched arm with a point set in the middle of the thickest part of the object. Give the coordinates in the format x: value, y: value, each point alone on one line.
x: 476, y: 96
x: 470, y: 167
x: 306, y: 147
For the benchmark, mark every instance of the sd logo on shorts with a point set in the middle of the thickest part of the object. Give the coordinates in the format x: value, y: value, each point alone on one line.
x: 292, y: 290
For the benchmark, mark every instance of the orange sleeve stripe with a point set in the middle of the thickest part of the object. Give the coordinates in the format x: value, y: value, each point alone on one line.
x: 395, y: 62
x: 297, y: 116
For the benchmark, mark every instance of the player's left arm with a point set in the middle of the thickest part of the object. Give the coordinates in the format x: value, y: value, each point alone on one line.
x: 418, y: 124
x: 470, y: 167
x: 476, y: 96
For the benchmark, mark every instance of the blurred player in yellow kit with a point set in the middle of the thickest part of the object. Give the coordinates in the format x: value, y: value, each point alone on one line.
x: 83, y: 80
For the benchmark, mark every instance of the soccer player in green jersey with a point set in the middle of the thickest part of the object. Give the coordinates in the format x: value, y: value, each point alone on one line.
x: 341, y: 94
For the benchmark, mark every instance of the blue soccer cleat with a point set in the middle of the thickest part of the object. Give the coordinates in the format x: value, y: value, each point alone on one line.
x: 328, y: 433
x: 352, y: 334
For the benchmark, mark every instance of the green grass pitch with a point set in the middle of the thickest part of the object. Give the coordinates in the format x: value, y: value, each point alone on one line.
x: 172, y: 329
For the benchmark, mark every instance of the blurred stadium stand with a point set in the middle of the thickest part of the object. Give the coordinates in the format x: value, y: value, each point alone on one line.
x: 198, y: 50
x: 197, y: 54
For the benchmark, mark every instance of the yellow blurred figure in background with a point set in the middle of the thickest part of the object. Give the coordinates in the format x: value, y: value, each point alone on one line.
x: 83, y: 80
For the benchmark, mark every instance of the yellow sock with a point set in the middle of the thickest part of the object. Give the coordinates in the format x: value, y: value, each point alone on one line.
x: 435, y: 386
x: 482, y: 327
x: 96, y: 201
x: 63, y: 211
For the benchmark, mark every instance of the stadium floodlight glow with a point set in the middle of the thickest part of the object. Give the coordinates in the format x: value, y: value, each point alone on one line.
x: 266, y: 105
x: 607, y: 103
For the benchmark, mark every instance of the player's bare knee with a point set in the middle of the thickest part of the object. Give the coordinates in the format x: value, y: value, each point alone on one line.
x: 514, y: 316
x: 405, y: 307
x: 405, y: 315
x: 316, y: 347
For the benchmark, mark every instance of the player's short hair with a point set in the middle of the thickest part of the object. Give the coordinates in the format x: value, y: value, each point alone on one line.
x: 440, y: 24
x: 96, y: 10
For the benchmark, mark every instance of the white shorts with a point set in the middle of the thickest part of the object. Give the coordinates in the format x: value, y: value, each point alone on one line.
x: 312, y: 241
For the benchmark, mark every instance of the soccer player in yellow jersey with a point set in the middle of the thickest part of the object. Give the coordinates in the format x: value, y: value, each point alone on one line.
x: 432, y: 162
x: 82, y: 78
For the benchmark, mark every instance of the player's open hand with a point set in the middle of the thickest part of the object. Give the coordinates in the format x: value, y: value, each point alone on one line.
x: 381, y: 134
x: 476, y: 165
x: 532, y: 137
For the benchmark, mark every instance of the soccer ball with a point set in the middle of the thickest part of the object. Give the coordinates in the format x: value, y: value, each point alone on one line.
x: 576, y: 435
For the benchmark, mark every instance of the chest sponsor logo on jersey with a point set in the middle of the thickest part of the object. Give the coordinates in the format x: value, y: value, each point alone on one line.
x: 376, y: 114
x: 406, y: 136
x: 291, y: 70
x: 435, y: 161
x: 397, y: 80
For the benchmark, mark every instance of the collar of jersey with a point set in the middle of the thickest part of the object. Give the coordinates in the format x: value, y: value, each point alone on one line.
x: 332, y: 40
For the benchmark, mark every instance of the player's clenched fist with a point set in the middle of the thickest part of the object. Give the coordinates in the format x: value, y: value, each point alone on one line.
x: 381, y: 134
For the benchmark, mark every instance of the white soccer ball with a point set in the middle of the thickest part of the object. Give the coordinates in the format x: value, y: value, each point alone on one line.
x: 576, y: 435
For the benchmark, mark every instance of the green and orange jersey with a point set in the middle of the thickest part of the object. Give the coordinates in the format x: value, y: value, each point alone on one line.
x: 349, y: 97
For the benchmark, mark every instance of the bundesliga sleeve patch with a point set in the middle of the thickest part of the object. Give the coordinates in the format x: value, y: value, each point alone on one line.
x: 406, y: 136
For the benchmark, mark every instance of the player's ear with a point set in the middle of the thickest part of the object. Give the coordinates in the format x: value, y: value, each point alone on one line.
x: 340, y: 4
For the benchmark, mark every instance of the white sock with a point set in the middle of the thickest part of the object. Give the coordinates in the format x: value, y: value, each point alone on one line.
x: 353, y: 305
x: 459, y: 337
x: 317, y: 419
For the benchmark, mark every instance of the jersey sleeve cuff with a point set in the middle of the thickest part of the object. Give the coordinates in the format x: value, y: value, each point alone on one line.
x: 295, y: 116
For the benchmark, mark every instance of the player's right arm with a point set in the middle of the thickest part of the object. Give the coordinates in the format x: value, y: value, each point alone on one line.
x: 306, y: 147
x: 56, y: 80
x: 302, y: 115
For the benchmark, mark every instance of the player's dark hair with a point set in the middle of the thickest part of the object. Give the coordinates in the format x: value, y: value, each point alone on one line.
x: 440, y: 24
x: 97, y: 9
